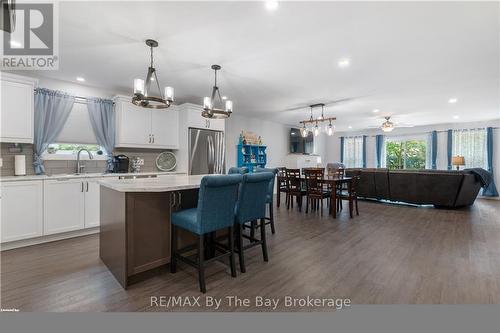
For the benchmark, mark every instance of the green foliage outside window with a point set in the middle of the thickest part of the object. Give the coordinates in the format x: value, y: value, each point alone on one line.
x: 409, y: 154
x: 69, y: 148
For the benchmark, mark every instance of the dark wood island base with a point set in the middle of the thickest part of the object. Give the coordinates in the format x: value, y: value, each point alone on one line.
x: 135, y: 230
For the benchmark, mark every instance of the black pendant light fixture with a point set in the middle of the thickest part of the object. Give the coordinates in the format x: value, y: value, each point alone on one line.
x: 142, y: 89
x: 210, y: 109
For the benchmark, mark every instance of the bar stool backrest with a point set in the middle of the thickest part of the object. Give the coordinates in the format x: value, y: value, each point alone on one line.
x: 252, y: 197
x: 235, y: 170
x: 217, y: 200
x: 270, y: 190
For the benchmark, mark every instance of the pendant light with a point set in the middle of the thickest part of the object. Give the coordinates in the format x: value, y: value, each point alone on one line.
x: 321, y: 119
x: 142, y: 89
x: 210, y: 109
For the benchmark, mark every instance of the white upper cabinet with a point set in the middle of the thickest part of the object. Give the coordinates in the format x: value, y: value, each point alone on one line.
x: 17, y: 100
x: 138, y: 127
x: 165, y: 128
x: 22, y: 210
x: 196, y: 120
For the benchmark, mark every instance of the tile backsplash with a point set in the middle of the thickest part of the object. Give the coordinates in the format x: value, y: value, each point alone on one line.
x: 61, y: 167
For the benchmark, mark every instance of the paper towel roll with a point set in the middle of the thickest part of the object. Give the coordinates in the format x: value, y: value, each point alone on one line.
x: 20, y: 165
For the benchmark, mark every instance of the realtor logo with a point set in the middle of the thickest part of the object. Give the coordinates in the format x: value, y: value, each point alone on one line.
x: 32, y: 44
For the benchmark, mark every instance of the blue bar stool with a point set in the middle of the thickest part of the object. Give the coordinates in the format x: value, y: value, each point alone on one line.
x: 215, y: 211
x: 251, y: 206
x: 240, y: 171
x: 270, y: 196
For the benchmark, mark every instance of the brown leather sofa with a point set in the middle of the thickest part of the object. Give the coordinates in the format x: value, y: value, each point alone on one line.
x: 441, y: 188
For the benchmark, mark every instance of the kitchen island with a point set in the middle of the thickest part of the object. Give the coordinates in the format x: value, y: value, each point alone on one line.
x: 135, y: 222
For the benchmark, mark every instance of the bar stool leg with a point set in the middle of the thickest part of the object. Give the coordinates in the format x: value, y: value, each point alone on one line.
x: 231, y: 249
x: 263, y: 239
x: 271, y: 216
x: 173, y: 250
x: 240, y: 249
x: 201, y: 265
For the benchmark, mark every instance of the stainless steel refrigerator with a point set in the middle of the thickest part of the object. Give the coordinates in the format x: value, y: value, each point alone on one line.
x: 206, y: 152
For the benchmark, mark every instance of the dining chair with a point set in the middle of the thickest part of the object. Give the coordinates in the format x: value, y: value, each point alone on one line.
x: 315, y: 190
x: 281, y: 186
x: 235, y: 170
x: 294, y: 187
x: 251, y: 206
x: 209, y: 216
x: 270, y: 196
x: 352, y: 195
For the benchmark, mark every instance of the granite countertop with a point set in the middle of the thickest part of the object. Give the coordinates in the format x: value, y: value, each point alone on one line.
x: 161, y: 184
x: 88, y: 175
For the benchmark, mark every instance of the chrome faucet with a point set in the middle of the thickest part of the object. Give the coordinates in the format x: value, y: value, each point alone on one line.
x: 80, y: 168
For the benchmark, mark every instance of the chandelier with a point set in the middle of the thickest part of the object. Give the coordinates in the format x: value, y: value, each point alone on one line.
x: 329, y: 129
x: 142, y: 89
x: 209, y: 103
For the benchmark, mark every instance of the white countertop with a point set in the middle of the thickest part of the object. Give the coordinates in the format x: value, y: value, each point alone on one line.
x: 88, y: 175
x: 160, y: 184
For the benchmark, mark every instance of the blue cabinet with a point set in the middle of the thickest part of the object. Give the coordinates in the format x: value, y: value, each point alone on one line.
x: 252, y: 156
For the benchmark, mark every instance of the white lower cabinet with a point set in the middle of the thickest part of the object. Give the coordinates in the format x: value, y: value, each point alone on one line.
x: 92, y: 203
x: 64, y: 206
x: 21, y: 210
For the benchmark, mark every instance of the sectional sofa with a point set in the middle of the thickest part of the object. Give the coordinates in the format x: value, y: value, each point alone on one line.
x: 448, y: 189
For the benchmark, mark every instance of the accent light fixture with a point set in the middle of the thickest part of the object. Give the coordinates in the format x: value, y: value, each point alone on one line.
x: 209, y: 103
x: 142, y: 88
x: 329, y: 130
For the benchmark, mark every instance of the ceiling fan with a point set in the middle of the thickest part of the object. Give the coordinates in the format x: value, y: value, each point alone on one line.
x: 389, y: 126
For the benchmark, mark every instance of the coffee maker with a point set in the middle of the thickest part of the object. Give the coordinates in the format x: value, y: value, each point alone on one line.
x: 120, y: 164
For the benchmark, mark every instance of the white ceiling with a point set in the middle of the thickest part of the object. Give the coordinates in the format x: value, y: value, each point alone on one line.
x: 407, y: 59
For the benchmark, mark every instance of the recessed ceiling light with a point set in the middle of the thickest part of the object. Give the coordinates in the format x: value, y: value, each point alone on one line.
x: 456, y: 117
x: 344, y: 62
x: 452, y: 100
x: 15, y: 44
x: 376, y: 110
x: 80, y: 79
x: 271, y: 5
x: 224, y: 97
x: 349, y: 127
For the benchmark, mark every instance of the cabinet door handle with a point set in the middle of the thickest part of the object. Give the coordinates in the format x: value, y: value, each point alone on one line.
x: 82, y: 186
x: 153, y: 137
x: 149, y: 138
x: 87, y: 187
x: 173, y: 199
x: 180, y: 199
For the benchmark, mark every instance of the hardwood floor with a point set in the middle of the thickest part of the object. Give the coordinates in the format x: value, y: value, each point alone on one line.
x: 389, y: 254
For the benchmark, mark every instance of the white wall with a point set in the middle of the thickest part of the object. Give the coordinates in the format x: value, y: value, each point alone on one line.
x: 333, y: 143
x: 274, y: 135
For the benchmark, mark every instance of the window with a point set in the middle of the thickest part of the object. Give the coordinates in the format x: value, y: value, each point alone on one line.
x: 471, y: 144
x: 68, y: 151
x: 406, y: 153
x: 77, y: 133
x: 353, y: 152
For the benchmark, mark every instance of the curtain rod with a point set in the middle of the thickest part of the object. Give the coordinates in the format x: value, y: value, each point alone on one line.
x: 417, y: 133
x: 82, y: 99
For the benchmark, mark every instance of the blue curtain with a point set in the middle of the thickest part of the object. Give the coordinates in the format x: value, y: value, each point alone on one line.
x: 491, y: 190
x: 102, y: 118
x: 52, y: 109
x: 341, y: 149
x: 364, y: 151
x: 379, y: 145
x: 434, y: 145
x: 450, y: 147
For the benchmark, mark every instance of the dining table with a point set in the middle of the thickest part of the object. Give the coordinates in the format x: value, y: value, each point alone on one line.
x: 333, y: 181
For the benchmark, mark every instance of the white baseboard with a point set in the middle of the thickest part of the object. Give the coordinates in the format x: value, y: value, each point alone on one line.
x: 47, y: 239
